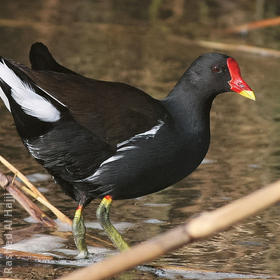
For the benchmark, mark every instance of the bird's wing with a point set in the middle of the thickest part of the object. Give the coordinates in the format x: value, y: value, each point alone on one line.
x: 115, y: 112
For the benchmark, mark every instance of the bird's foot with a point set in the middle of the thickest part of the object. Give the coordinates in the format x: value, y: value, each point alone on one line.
x: 79, y: 233
x: 83, y: 255
x: 102, y: 214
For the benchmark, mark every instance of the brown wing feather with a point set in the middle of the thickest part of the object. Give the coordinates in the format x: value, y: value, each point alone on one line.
x: 113, y: 111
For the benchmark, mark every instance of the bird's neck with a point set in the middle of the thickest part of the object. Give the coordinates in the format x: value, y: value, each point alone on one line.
x: 188, y: 106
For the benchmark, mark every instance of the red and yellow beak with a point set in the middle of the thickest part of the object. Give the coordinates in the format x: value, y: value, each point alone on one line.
x: 236, y: 83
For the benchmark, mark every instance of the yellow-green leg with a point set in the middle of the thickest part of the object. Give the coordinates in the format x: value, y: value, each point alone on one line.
x: 79, y: 232
x: 103, y: 215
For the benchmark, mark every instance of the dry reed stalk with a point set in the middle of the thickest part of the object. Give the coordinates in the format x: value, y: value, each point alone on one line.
x: 21, y: 177
x: 24, y: 255
x: 253, y: 25
x: 32, y: 190
x: 9, y: 278
x: 6, y: 182
x: 226, y: 46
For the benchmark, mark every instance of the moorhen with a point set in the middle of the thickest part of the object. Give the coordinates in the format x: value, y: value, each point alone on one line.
x: 110, y: 140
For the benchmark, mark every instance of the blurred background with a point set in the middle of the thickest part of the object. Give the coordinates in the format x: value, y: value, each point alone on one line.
x: 149, y: 44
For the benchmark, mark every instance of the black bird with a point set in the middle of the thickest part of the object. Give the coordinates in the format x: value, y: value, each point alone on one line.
x: 110, y: 140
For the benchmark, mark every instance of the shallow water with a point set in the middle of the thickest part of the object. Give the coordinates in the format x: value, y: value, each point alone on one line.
x: 133, y: 42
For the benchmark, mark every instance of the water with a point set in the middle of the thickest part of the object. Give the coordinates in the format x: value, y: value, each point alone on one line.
x: 133, y: 42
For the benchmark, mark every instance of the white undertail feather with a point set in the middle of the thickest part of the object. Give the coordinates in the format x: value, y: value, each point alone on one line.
x: 32, y: 103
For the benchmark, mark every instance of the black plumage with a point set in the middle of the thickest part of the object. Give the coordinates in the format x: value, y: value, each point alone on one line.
x: 109, y: 138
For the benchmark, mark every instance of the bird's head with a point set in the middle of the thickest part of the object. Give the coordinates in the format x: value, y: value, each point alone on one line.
x: 217, y: 73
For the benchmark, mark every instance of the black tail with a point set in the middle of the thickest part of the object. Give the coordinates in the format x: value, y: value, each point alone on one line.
x: 41, y: 59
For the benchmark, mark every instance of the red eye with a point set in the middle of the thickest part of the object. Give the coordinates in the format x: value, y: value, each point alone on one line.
x: 216, y: 69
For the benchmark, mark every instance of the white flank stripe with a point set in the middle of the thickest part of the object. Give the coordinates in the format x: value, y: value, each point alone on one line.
x: 5, y: 99
x: 32, y: 103
x: 99, y: 171
x: 92, y: 177
x: 113, y: 158
x: 146, y: 135
x: 127, y: 148
x: 153, y: 131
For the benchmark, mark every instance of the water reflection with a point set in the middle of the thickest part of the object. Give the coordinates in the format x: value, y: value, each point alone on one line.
x: 129, y: 41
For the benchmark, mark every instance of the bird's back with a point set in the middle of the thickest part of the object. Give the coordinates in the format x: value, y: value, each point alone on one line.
x: 114, y: 111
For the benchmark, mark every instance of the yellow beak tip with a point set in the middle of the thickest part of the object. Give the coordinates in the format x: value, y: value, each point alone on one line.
x: 248, y: 94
